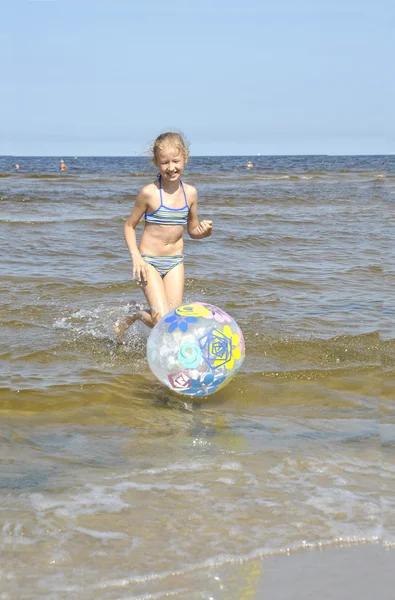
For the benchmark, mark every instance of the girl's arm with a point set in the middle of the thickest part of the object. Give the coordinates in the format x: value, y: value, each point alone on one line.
x: 140, y: 271
x: 197, y: 230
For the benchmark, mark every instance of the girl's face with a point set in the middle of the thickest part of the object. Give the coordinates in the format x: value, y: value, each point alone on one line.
x: 170, y: 162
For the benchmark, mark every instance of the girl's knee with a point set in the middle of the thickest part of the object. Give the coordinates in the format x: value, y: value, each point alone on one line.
x: 159, y: 311
x: 174, y: 302
x: 156, y: 317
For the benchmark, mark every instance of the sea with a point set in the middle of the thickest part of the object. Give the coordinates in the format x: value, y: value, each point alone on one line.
x: 113, y: 487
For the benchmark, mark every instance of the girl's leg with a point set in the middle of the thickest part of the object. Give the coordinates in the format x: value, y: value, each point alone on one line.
x: 174, y: 285
x: 154, y: 291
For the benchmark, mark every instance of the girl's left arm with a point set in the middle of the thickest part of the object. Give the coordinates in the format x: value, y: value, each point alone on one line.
x: 196, y: 230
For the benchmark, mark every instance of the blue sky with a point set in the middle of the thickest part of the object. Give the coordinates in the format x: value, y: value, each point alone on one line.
x: 104, y: 77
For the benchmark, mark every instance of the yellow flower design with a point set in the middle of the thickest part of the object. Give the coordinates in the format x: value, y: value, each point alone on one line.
x: 234, y: 340
x: 221, y: 348
x: 193, y: 310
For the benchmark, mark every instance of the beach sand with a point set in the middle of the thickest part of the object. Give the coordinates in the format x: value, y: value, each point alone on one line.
x: 351, y: 573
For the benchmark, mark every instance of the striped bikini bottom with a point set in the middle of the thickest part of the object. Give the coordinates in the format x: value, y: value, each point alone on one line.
x: 163, y: 264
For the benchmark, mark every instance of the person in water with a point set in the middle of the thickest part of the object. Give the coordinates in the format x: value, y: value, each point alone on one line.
x: 62, y: 166
x: 168, y: 205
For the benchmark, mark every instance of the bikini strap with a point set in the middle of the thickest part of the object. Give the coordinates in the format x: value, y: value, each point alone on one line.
x: 185, y: 196
x: 160, y: 188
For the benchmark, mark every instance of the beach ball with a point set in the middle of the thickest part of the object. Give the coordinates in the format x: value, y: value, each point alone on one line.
x: 195, y: 349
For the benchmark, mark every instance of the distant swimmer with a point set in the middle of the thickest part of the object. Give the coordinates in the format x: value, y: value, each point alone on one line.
x: 16, y: 167
x: 249, y: 165
x: 62, y: 165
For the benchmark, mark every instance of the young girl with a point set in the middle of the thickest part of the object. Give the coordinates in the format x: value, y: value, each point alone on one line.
x: 168, y: 205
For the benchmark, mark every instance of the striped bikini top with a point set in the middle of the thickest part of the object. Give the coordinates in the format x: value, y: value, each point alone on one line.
x: 168, y: 216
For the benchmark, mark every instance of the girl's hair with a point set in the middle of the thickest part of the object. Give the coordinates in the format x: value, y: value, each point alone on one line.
x: 170, y: 138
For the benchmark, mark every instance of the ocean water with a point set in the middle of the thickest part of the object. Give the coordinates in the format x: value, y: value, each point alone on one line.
x: 112, y: 487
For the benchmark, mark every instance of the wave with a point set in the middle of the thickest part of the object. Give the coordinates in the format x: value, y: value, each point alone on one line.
x: 78, y: 174
x: 43, y: 175
x: 229, y: 173
x: 35, y: 199
x: 51, y: 221
x: 323, y: 175
x: 270, y: 355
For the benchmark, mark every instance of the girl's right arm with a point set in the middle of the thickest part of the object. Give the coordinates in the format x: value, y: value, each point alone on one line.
x: 140, y: 271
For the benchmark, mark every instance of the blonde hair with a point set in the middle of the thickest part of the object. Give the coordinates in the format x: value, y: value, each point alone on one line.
x: 170, y: 138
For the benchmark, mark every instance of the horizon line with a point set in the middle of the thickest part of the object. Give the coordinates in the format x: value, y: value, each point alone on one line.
x: 191, y: 156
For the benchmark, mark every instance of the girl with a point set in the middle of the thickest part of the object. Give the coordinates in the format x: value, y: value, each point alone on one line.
x: 168, y: 205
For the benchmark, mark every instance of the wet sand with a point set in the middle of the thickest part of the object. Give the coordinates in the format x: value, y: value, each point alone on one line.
x: 351, y: 573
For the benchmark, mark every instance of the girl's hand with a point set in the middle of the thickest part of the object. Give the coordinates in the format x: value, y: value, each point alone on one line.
x: 205, y: 228
x: 140, y: 270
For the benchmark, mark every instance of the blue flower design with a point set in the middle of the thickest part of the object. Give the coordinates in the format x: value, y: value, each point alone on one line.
x: 216, y: 348
x: 199, y: 388
x: 179, y: 322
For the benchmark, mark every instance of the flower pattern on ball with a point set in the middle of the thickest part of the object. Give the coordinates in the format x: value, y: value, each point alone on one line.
x: 235, y: 341
x: 189, y: 355
x: 205, y: 386
x: 179, y: 380
x: 179, y: 322
x: 216, y: 348
x: 193, y: 310
x: 217, y: 313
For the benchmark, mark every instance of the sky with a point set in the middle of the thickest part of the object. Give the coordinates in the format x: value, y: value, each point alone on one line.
x: 105, y: 77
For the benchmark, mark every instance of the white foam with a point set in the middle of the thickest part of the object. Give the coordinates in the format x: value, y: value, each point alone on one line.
x: 103, y: 535
x: 97, y: 499
x: 231, y: 466
x: 183, y: 467
x: 148, y: 487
